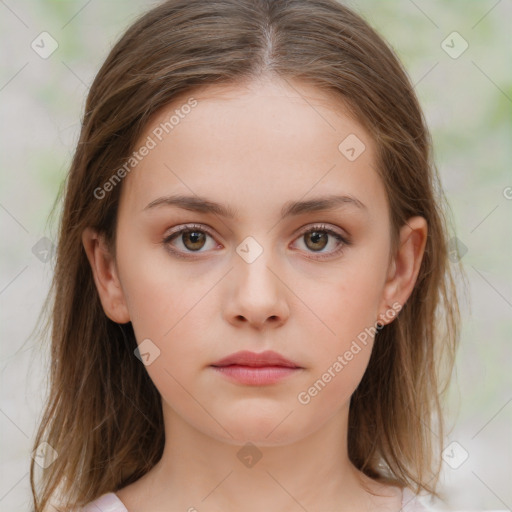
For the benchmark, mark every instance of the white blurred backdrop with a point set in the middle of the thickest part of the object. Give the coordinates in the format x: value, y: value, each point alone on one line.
x: 466, y: 93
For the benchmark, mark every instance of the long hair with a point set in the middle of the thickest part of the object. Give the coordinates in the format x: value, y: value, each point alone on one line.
x: 104, y: 416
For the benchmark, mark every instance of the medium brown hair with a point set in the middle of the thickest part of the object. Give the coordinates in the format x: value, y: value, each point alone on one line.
x: 104, y: 415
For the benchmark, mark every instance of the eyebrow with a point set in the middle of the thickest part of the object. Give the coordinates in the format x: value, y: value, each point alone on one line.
x: 291, y: 208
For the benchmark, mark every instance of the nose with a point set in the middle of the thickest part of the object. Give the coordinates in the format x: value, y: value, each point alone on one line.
x: 258, y: 294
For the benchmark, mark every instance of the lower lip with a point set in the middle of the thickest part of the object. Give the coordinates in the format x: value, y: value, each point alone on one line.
x: 256, y: 376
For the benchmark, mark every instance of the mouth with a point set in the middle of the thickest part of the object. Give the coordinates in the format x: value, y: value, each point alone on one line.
x: 257, y: 369
x: 256, y: 360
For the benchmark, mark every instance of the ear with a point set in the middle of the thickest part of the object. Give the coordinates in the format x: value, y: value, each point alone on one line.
x: 105, y: 276
x: 404, y: 267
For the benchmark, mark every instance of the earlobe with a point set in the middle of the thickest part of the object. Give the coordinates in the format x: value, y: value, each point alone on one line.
x: 405, y: 266
x: 105, y: 276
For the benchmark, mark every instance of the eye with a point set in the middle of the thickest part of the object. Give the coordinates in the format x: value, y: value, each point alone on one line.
x: 318, y: 237
x: 191, y: 238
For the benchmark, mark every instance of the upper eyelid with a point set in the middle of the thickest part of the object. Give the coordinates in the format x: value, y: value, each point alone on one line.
x: 304, y: 229
x: 190, y: 227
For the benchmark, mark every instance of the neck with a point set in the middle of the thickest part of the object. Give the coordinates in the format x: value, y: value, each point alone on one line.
x: 199, y: 472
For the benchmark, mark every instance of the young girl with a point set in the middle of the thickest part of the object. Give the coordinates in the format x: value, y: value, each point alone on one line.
x: 252, y: 306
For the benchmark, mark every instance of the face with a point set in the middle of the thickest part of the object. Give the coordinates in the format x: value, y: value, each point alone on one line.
x: 294, y: 259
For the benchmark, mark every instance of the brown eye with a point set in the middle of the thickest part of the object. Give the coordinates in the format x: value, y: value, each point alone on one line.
x: 193, y: 240
x: 188, y: 240
x: 316, y: 240
x: 323, y: 242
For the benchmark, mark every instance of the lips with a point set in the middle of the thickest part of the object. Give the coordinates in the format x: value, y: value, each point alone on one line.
x: 256, y: 360
x: 256, y: 369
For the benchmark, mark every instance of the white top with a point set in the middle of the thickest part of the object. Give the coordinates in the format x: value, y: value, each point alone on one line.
x: 109, y: 502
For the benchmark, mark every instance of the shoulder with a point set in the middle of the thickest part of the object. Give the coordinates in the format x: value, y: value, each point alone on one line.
x: 414, y: 503
x: 108, y: 502
x: 425, y: 503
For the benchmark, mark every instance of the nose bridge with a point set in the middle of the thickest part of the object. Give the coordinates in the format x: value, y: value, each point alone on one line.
x: 253, y: 262
x: 259, y: 292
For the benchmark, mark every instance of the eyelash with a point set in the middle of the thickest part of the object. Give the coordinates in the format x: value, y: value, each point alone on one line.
x: 343, y: 241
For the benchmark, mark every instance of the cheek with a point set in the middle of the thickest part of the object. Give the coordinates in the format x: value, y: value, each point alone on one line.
x: 159, y: 295
x: 347, y: 306
x: 167, y: 307
x: 341, y: 357
x: 333, y: 386
x: 348, y: 302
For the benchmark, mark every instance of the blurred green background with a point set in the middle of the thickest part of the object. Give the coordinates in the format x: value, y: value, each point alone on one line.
x: 467, y: 100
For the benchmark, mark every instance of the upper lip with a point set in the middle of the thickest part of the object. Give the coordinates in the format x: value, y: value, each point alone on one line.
x: 247, y: 358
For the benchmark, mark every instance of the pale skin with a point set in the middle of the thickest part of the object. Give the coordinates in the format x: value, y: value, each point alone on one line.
x: 253, y: 148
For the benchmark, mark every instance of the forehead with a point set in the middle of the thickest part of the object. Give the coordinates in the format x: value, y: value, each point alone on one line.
x: 267, y: 140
